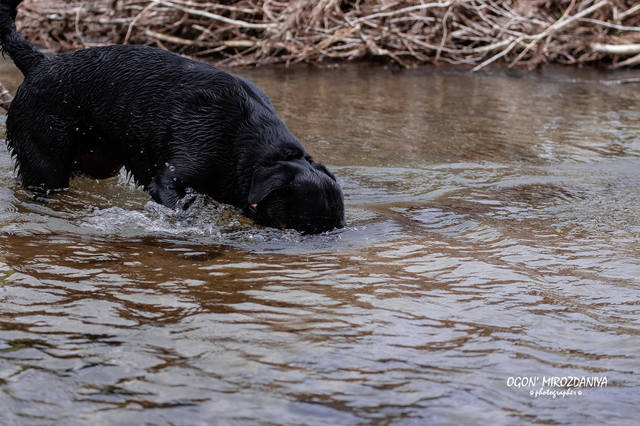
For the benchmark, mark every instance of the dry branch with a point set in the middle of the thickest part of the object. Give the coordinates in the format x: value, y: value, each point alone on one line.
x: 617, y: 49
x: 407, y: 32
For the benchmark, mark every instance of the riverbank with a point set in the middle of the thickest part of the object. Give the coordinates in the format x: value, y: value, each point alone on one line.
x: 470, y: 33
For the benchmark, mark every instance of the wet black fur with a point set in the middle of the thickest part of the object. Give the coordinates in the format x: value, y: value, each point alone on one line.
x: 173, y: 123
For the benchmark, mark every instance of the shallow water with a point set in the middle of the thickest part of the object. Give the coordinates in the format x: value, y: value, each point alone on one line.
x: 493, y: 235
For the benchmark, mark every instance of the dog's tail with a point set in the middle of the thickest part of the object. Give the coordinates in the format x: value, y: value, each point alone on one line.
x: 23, y: 53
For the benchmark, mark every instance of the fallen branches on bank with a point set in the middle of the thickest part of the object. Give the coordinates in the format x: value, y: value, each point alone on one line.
x: 253, y: 32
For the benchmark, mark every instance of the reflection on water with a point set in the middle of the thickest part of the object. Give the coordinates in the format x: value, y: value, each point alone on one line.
x: 493, y: 234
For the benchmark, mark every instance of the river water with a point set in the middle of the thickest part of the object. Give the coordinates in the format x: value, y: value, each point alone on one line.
x: 492, y: 254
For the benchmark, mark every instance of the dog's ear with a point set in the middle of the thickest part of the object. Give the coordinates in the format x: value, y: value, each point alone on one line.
x: 268, y: 179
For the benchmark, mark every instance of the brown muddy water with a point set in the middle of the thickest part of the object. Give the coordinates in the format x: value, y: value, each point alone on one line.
x: 492, y: 261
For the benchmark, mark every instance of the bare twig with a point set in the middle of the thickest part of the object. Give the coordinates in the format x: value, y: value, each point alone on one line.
x: 213, y: 16
x: 616, y: 49
x: 634, y: 60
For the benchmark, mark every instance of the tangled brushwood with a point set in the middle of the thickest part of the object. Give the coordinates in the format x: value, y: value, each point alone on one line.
x: 407, y: 32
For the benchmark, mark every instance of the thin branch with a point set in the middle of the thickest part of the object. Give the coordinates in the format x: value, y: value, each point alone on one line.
x: 616, y: 49
x: 213, y: 16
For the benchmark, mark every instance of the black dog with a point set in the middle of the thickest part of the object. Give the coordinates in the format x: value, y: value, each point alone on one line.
x: 173, y: 123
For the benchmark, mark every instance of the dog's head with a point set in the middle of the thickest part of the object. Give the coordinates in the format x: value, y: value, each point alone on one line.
x: 299, y: 194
